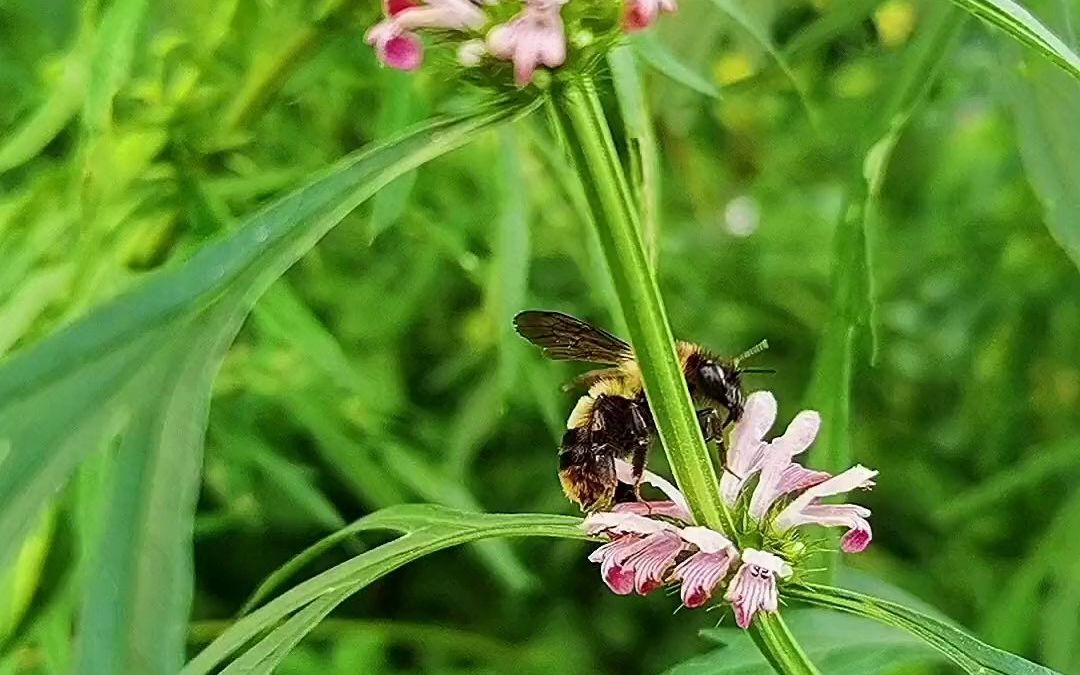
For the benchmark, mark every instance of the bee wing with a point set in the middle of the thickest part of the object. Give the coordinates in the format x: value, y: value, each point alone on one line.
x: 564, y: 338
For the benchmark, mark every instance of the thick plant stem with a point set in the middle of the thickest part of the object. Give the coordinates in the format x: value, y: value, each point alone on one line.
x: 778, y: 645
x: 579, y: 120
x: 578, y: 114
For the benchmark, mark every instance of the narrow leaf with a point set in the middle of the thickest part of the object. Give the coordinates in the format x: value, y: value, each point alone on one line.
x: 1015, y: 20
x: 139, y: 370
x: 839, y: 644
x: 1046, y: 109
x: 962, y: 649
x: 641, y: 144
x: 736, y: 13
x: 425, y: 529
x: 663, y: 61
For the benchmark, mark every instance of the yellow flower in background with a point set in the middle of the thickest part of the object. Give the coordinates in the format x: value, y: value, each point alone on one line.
x: 733, y: 67
x: 895, y: 21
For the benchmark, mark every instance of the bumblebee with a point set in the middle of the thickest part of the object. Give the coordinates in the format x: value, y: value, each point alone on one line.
x: 612, y: 420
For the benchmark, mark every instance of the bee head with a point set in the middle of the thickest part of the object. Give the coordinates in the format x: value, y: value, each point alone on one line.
x: 722, y: 382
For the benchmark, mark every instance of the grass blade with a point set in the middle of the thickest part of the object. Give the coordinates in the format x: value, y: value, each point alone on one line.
x: 1022, y: 25
x: 962, y: 649
x: 425, y: 528
x: 141, y: 368
x: 1046, y: 106
x: 642, y: 145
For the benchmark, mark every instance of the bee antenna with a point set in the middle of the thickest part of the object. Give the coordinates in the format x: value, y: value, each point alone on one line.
x: 767, y: 371
x: 753, y: 351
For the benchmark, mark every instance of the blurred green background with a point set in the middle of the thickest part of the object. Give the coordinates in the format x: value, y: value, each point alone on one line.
x: 383, y: 369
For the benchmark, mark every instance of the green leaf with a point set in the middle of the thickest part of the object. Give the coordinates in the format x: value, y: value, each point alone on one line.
x: 137, y: 373
x: 1015, y: 20
x: 736, y: 13
x: 425, y: 529
x: 839, y: 644
x: 110, y: 63
x: 962, y: 649
x: 641, y: 144
x: 1046, y: 107
x: 663, y: 61
x: 399, y: 109
x: 853, y: 295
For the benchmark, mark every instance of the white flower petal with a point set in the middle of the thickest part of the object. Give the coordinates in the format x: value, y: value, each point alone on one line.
x: 707, y: 540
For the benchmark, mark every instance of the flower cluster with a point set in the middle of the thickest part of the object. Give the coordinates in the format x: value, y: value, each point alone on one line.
x: 526, y: 33
x: 653, y: 543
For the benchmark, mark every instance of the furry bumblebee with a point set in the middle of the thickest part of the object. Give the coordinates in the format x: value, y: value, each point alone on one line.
x: 612, y: 419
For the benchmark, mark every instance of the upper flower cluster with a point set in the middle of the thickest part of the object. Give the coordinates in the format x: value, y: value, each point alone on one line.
x: 653, y: 543
x: 525, y: 33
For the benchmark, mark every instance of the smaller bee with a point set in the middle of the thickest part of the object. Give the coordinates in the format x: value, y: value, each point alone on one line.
x: 612, y: 420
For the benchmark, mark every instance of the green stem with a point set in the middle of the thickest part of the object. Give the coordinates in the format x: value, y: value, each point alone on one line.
x: 778, y: 645
x: 579, y: 121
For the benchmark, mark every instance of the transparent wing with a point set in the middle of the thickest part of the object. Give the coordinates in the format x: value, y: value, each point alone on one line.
x: 565, y: 338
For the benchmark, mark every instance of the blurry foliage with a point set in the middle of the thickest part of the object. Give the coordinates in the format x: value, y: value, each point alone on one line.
x: 382, y: 369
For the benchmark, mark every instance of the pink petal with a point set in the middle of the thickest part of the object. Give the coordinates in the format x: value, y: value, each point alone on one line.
x: 747, y: 450
x: 656, y: 509
x: 800, y: 434
x: 402, y: 52
x: 551, y: 48
x: 753, y: 589
x: 611, y: 557
x: 707, y: 540
x: 525, y: 62
x: 394, y: 7
x: 622, y: 522
x: 856, y: 476
x: 652, y: 559
x: 856, y: 540
x: 700, y: 574
x: 779, y: 477
x: 851, y: 516
x: 639, y: 15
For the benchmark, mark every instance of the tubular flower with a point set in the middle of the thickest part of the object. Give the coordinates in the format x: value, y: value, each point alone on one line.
x: 528, y: 34
x: 395, y: 39
x: 536, y: 36
x: 754, y: 587
x: 656, y: 542
x: 641, y: 14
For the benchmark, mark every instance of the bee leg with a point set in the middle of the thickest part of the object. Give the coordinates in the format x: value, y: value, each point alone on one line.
x: 640, y: 450
x: 712, y: 427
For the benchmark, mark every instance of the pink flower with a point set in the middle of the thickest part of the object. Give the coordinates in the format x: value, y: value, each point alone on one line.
x: 655, y: 542
x: 779, y: 474
x: 649, y: 541
x: 636, y: 563
x: 746, y: 451
x: 640, y: 14
x: 535, y: 36
x: 398, y: 49
x: 754, y: 587
x: 703, y: 571
x: 395, y: 39
x: 806, y: 508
